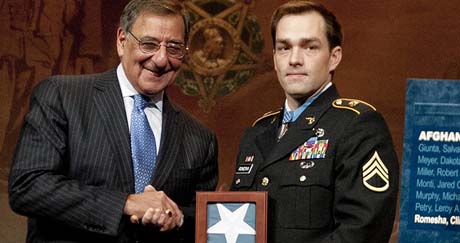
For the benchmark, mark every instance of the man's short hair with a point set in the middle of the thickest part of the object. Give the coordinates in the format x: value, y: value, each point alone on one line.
x: 296, y: 7
x: 157, y: 7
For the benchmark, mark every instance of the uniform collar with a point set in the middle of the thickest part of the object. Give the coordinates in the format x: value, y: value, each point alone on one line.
x: 308, y: 102
x: 311, y: 115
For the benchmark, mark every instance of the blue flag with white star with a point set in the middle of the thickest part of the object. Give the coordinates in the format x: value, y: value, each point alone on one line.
x: 231, y: 223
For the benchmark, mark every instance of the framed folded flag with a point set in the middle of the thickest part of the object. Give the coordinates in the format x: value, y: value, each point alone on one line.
x: 231, y: 217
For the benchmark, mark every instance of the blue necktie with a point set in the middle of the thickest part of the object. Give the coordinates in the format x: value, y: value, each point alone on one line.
x: 143, y: 146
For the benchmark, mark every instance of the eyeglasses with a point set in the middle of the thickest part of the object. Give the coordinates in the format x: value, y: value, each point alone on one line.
x: 175, y: 50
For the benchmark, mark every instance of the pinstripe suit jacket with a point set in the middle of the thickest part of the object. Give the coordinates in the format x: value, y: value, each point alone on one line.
x: 72, y: 170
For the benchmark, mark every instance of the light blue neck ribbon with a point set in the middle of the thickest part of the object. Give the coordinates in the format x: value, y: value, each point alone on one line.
x: 305, y: 105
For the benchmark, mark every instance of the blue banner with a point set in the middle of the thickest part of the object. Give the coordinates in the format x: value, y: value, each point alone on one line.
x: 430, y: 182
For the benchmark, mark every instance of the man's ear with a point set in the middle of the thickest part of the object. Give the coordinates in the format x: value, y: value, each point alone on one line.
x: 335, y: 58
x: 121, y: 39
x: 274, y: 61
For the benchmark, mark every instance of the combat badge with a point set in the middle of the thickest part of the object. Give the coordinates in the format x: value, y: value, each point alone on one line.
x: 307, y: 164
x: 375, y: 174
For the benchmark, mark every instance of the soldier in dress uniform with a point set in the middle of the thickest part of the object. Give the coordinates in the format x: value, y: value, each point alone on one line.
x: 327, y: 162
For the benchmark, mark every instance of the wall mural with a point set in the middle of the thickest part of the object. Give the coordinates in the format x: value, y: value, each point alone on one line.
x: 225, y: 47
x: 40, y: 38
x: 47, y: 37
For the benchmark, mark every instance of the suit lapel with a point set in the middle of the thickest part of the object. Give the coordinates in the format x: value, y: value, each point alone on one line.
x: 303, y: 128
x: 109, y: 104
x: 169, y: 144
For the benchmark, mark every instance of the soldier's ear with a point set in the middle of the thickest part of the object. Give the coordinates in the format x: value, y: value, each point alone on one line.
x: 274, y: 60
x: 335, y: 58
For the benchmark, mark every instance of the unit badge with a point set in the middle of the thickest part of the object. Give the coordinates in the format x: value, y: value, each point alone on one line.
x: 311, y: 149
x: 319, y: 132
x: 375, y: 174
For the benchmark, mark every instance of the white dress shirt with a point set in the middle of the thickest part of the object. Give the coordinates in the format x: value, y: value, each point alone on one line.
x: 153, y: 112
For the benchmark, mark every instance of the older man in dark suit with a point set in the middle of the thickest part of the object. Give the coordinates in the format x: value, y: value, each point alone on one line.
x: 107, y: 157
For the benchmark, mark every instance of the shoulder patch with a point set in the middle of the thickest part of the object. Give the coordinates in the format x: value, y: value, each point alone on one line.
x: 352, y: 104
x: 266, y: 115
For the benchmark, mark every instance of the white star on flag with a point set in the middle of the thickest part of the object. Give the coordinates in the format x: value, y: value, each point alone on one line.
x: 232, y: 223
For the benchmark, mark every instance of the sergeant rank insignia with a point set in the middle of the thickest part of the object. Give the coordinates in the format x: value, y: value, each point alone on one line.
x: 311, y: 149
x: 375, y: 174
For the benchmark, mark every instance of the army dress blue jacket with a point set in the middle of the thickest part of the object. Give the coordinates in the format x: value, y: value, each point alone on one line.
x: 333, y: 176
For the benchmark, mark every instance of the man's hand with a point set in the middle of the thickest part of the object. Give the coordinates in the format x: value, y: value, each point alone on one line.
x: 153, y: 207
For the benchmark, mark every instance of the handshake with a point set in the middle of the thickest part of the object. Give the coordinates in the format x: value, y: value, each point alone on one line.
x: 154, y: 208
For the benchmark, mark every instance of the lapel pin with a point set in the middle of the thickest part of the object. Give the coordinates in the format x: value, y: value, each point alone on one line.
x: 310, y: 120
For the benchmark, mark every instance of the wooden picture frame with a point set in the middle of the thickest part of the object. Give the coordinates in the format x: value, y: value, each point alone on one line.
x: 204, y: 198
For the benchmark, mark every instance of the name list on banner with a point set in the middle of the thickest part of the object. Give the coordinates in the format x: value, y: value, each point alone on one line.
x: 430, y: 182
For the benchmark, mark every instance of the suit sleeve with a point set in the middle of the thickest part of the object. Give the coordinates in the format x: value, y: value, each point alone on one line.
x: 364, y: 207
x: 207, y: 181
x: 39, y: 185
x: 209, y: 174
